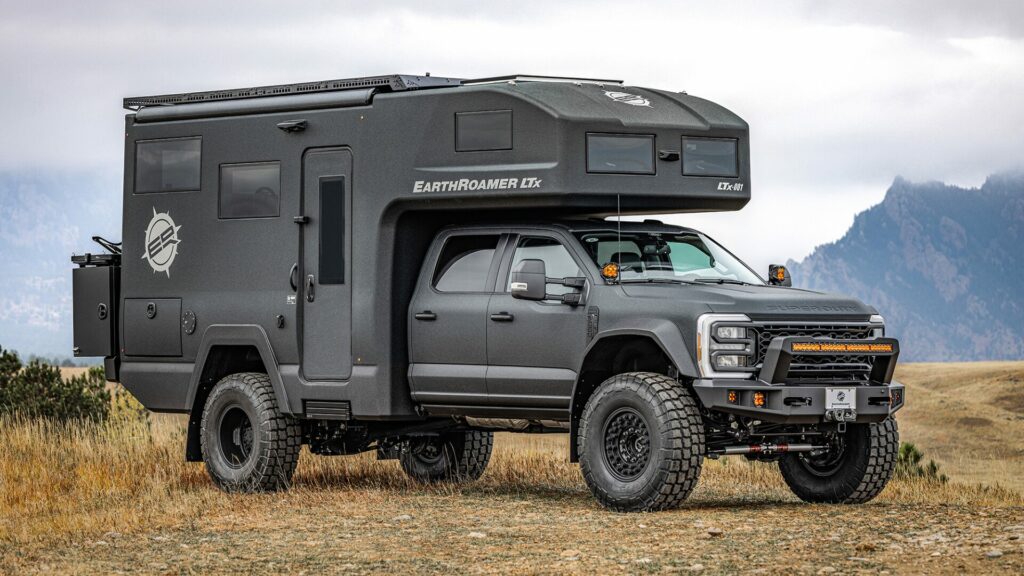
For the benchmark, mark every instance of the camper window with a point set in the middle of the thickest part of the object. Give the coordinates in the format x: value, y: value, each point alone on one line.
x: 710, y: 157
x: 250, y: 190
x: 480, y: 131
x: 620, y: 153
x: 167, y: 165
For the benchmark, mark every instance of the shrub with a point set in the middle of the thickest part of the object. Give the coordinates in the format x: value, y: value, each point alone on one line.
x: 908, y: 465
x: 38, y: 391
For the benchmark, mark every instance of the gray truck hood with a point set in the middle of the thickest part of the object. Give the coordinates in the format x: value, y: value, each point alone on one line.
x: 757, y: 301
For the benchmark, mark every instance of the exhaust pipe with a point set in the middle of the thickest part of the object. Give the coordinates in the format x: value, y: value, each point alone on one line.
x: 780, y: 448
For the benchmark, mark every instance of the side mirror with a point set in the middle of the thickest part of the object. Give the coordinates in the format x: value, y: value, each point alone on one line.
x: 778, y: 275
x: 529, y: 280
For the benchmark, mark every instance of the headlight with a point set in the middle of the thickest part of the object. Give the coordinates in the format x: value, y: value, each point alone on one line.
x: 730, y: 361
x: 731, y: 332
x: 724, y: 346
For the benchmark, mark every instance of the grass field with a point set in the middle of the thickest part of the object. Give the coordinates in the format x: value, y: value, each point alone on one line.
x: 120, y: 498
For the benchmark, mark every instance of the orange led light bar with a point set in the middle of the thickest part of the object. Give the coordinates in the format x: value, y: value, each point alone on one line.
x: 840, y: 347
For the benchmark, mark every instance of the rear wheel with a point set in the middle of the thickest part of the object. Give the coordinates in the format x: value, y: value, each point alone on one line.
x: 458, y: 456
x: 247, y: 444
x: 857, y: 466
x: 641, y: 443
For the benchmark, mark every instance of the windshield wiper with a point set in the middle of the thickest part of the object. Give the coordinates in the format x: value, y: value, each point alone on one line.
x: 656, y: 281
x: 723, y: 281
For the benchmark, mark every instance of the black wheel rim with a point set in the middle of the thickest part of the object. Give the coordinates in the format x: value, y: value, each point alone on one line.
x: 427, y: 450
x: 627, y: 443
x: 827, y: 464
x: 236, y: 435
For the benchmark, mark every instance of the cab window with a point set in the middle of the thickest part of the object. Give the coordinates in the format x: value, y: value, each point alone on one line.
x: 465, y: 263
x: 557, y: 260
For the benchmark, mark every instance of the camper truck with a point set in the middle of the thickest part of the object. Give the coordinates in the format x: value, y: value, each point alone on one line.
x: 407, y: 264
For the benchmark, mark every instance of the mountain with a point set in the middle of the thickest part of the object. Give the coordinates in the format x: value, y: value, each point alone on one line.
x: 944, y: 265
x: 44, y: 217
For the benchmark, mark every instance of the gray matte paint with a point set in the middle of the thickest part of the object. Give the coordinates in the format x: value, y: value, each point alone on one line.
x: 234, y: 274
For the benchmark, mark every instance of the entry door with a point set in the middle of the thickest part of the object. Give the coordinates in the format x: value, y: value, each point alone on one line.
x: 325, y: 294
x: 447, y: 321
x: 533, y: 347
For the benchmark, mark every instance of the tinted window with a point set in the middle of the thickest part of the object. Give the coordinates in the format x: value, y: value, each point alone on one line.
x: 250, y: 190
x: 332, y: 230
x: 558, y: 263
x: 464, y: 263
x: 620, y: 153
x: 167, y: 165
x: 710, y: 157
x: 475, y: 131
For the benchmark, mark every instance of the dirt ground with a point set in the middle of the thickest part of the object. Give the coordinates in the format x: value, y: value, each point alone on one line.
x: 121, y: 501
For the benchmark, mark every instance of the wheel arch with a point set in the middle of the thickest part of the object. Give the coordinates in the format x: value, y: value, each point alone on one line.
x: 656, y: 347
x: 224, y: 350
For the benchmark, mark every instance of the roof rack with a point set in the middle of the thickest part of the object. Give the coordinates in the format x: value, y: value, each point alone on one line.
x: 390, y: 83
x: 531, y: 78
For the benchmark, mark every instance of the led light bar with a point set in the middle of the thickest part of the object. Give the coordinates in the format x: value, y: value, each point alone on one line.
x: 853, y: 348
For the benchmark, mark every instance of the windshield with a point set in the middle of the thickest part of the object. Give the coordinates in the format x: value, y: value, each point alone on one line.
x: 659, y: 256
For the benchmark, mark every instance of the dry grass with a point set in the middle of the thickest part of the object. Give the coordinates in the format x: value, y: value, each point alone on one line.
x: 87, y: 498
x: 969, y: 417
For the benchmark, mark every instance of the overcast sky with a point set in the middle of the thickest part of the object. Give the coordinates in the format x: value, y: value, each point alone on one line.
x: 840, y: 98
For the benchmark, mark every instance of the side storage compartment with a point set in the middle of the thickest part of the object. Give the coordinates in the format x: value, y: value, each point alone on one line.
x: 152, y: 327
x: 95, y: 289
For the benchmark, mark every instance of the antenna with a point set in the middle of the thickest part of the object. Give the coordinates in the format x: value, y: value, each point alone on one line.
x: 618, y: 233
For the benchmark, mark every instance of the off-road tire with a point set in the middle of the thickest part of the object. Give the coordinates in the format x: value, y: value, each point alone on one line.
x: 276, y: 439
x: 869, y: 458
x: 675, y: 433
x: 457, y: 456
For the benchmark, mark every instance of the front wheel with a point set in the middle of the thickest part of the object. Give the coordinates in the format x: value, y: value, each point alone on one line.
x: 458, y: 456
x: 641, y: 443
x: 857, y: 466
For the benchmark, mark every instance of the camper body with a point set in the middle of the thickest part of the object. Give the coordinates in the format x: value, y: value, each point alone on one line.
x: 405, y: 264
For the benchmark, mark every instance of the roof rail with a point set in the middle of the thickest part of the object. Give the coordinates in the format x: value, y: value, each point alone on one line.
x: 531, y: 78
x: 390, y: 83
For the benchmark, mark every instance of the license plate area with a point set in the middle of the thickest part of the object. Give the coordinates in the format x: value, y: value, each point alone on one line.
x: 841, y: 399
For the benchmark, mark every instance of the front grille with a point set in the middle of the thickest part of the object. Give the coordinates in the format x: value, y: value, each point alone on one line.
x: 817, y: 366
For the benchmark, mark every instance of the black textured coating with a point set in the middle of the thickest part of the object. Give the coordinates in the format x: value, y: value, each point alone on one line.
x: 464, y: 458
x: 871, y: 459
x: 678, y: 424
x: 278, y: 437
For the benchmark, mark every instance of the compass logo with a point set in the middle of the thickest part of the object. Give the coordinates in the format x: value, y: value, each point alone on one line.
x: 627, y: 98
x: 161, y: 242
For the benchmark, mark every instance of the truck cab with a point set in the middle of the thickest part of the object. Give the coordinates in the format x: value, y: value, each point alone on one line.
x: 407, y: 264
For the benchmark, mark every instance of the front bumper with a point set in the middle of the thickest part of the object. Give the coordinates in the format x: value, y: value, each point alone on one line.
x: 798, y: 404
x: 789, y: 401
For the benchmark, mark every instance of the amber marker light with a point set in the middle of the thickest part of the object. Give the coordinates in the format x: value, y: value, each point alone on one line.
x: 610, y: 271
x: 759, y: 399
x: 780, y: 273
x: 734, y: 397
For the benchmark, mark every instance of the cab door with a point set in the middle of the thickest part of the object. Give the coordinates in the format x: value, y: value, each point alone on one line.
x: 533, y: 347
x: 325, y: 294
x: 448, y: 320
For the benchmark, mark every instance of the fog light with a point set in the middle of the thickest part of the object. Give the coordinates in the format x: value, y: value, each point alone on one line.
x: 734, y: 397
x: 730, y: 361
x: 759, y: 399
x: 731, y: 332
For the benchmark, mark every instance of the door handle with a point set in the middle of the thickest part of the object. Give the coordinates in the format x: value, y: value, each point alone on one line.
x: 310, y: 295
x: 293, y: 279
x: 502, y: 317
x: 425, y: 315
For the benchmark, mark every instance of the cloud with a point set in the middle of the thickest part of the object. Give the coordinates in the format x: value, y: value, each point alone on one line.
x: 841, y: 97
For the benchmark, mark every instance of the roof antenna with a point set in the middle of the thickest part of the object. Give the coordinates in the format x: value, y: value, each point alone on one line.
x: 618, y: 238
